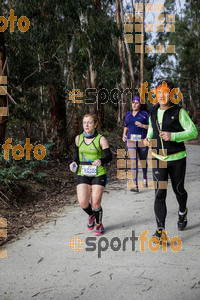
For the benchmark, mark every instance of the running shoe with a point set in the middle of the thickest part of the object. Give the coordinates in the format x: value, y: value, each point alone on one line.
x: 158, y: 233
x: 91, y: 223
x: 182, y: 221
x: 145, y: 184
x: 135, y: 189
x: 99, y: 229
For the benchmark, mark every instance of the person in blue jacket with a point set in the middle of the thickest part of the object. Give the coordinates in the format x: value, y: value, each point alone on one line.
x: 135, y: 129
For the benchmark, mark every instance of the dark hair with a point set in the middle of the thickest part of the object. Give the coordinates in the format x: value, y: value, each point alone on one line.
x: 169, y: 83
x: 144, y: 107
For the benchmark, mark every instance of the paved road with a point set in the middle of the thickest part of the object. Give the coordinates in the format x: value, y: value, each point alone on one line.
x: 40, y: 265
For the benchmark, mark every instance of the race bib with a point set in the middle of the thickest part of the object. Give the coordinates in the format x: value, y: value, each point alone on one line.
x: 136, y: 137
x: 89, y: 171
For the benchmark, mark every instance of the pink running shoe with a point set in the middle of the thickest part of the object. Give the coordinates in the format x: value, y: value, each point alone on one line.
x: 91, y: 223
x: 99, y: 230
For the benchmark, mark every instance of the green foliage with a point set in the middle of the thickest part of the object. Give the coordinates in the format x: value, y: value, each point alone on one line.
x: 17, y: 170
x: 9, y: 171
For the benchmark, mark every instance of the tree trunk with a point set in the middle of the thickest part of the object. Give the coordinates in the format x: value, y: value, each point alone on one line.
x: 58, y: 117
x: 70, y: 51
x: 93, y: 75
x: 130, y: 66
x: 100, y: 112
x: 76, y: 123
x: 3, y: 98
x: 142, y: 53
x: 119, y: 116
x: 43, y: 120
x: 122, y: 60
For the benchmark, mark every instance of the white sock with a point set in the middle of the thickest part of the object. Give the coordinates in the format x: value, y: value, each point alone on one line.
x: 182, y: 213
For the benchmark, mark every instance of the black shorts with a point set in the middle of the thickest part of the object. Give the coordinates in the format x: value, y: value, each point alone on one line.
x: 100, y: 180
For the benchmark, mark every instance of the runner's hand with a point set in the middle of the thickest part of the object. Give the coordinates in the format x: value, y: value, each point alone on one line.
x: 124, y: 138
x: 138, y: 124
x: 166, y: 136
x: 71, y: 166
x: 147, y: 142
x: 97, y: 162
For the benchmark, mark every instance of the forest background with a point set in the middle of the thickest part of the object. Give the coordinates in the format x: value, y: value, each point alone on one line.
x: 79, y: 45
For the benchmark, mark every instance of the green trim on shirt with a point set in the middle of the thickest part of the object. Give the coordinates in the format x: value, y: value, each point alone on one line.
x: 171, y: 157
x: 150, y: 129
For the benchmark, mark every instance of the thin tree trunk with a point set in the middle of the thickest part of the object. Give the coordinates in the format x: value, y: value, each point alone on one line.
x: 70, y: 51
x: 58, y: 117
x: 122, y: 60
x: 43, y: 121
x: 75, y: 104
x: 3, y: 98
x: 93, y: 75
x: 192, y: 104
x: 100, y: 111
x: 92, y: 71
x: 119, y: 116
x: 130, y: 66
x: 142, y: 52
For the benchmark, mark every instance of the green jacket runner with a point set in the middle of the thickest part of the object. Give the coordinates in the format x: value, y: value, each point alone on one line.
x: 189, y: 132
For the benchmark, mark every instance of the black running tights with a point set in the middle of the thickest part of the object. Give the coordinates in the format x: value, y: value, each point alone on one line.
x: 176, y: 171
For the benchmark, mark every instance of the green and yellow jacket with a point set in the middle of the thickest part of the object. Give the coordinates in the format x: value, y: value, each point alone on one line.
x: 175, y: 120
x: 90, y: 153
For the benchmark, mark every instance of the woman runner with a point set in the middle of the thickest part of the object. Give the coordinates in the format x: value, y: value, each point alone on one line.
x: 135, y: 129
x: 92, y: 153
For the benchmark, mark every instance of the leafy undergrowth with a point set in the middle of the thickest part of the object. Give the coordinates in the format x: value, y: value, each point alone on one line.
x: 27, y: 202
x: 31, y: 192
